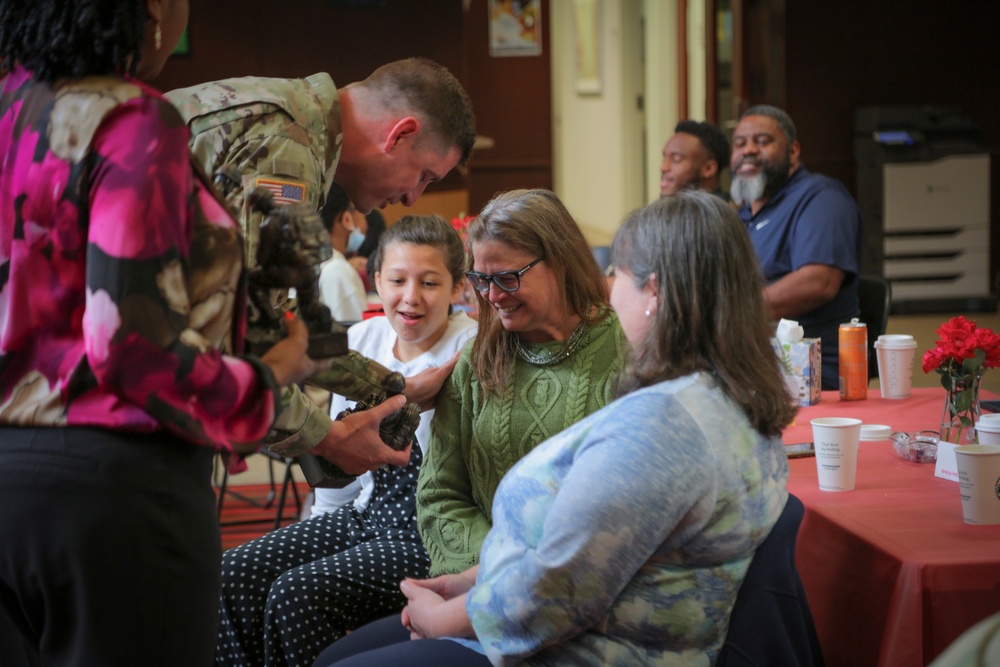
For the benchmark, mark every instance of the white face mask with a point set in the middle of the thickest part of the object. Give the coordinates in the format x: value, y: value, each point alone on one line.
x: 355, y: 239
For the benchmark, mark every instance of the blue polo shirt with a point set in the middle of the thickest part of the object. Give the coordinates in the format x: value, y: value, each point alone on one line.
x: 812, y: 220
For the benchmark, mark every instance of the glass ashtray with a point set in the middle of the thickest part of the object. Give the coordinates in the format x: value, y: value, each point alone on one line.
x: 919, y: 447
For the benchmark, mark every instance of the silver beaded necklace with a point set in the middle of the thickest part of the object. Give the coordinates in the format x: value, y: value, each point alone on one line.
x: 547, y: 358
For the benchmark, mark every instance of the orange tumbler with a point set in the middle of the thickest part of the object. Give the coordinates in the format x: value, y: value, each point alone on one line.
x: 853, y: 353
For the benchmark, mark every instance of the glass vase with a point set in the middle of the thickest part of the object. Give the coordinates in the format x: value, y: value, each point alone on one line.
x: 961, y: 409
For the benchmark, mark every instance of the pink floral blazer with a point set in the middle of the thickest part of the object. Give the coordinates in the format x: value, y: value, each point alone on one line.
x: 121, y: 273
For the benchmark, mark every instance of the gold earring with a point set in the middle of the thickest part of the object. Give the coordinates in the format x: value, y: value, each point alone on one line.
x: 158, y: 37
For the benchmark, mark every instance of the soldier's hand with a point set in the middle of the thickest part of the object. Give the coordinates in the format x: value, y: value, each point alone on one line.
x: 287, y: 358
x: 353, y: 443
x: 424, y: 387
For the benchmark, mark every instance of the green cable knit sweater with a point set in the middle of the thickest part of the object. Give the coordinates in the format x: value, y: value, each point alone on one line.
x: 475, y: 440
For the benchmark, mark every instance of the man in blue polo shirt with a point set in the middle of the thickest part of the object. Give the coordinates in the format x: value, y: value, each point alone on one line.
x: 805, y: 227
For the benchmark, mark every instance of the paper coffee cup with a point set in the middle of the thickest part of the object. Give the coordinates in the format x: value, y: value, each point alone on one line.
x: 979, y: 483
x: 836, y: 442
x: 894, y: 353
x: 988, y: 430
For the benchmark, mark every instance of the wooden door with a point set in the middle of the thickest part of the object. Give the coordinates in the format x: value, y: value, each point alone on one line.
x: 513, y: 100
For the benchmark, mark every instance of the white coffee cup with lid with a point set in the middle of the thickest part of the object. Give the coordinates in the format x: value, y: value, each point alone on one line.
x: 988, y: 430
x: 895, y: 353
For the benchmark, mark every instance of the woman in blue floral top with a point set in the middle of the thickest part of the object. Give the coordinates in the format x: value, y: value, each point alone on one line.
x: 624, y: 539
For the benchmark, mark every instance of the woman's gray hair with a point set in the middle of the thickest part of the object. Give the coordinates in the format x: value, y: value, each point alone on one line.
x: 710, y: 315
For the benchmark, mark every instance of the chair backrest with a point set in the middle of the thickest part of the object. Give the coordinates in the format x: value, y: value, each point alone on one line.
x: 771, y: 623
x: 874, y: 295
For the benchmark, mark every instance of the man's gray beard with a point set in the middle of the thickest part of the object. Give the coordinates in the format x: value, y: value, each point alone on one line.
x: 748, y: 189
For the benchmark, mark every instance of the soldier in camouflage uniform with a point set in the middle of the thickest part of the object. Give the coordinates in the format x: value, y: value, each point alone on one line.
x: 383, y: 140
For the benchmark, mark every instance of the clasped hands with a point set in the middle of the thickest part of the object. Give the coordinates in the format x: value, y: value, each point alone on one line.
x: 436, y: 607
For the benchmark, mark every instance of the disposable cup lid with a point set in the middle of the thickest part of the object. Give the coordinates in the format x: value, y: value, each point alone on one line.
x: 989, y: 425
x: 872, y: 432
x: 895, y: 341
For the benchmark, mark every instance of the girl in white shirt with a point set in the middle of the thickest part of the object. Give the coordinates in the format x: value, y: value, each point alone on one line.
x: 289, y: 594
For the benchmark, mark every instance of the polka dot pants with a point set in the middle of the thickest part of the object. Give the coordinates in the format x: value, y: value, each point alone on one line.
x: 291, y: 593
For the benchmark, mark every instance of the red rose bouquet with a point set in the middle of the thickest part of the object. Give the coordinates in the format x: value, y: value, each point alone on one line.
x: 461, y: 224
x: 961, y: 356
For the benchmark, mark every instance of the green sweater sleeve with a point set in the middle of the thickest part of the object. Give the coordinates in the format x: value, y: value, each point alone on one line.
x: 451, y: 524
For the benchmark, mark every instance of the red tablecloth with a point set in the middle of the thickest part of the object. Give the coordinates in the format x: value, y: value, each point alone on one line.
x: 892, y: 572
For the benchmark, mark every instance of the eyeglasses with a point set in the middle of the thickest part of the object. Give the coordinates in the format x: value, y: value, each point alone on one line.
x: 508, y: 281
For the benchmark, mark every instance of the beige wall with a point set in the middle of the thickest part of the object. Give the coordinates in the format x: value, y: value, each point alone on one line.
x: 597, y: 139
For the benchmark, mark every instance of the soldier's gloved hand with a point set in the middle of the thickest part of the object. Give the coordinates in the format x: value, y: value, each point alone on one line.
x: 424, y: 387
x: 354, y: 445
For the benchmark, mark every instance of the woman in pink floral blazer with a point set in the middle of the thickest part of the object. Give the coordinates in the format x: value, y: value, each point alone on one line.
x: 121, y: 322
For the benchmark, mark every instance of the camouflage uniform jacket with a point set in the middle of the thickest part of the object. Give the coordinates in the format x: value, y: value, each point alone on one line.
x: 284, y: 134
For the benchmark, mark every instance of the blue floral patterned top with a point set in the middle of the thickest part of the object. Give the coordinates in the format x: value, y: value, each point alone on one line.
x: 635, y: 528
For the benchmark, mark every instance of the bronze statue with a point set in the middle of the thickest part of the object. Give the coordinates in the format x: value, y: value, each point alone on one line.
x: 293, y: 244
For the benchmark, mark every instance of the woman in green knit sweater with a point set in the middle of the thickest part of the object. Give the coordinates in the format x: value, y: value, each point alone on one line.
x: 547, y: 349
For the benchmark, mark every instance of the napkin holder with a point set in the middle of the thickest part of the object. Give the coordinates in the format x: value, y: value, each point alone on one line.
x: 801, y: 364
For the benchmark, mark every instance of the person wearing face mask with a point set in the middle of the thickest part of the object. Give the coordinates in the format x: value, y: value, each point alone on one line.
x: 340, y: 286
x: 383, y: 139
x: 805, y: 228
x: 356, y: 238
x: 362, y: 259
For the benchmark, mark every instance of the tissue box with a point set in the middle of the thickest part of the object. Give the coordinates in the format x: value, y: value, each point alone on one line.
x: 802, y: 366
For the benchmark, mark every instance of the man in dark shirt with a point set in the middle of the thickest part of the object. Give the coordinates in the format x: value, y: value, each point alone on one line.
x: 805, y: 227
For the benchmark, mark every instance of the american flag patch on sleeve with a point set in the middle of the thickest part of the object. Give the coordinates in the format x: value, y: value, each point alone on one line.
x: 285, y: 192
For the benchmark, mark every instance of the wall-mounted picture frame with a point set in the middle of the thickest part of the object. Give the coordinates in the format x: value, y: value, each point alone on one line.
x: 515, y: 28
x: 587, y: 24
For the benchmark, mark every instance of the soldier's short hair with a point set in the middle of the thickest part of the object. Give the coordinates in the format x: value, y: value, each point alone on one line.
x: 423, y: 88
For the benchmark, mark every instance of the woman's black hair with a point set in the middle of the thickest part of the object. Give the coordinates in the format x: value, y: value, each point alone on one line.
x: 336, y: 203
x: 58, y: 39
x: 376, y: 225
